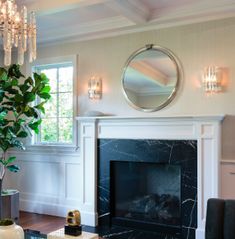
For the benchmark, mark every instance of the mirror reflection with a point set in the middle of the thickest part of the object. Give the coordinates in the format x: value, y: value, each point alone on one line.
x: 150, y: 78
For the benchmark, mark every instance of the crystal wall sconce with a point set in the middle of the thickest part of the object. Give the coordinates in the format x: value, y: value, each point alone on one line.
x: 212, y: 79
x: 95, y: 88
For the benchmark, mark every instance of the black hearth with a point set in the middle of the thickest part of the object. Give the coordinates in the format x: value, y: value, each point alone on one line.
x: 147, y: 189
x: 146, y: 195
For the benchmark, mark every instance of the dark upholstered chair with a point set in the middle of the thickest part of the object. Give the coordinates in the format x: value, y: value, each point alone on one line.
x: 220, y: 219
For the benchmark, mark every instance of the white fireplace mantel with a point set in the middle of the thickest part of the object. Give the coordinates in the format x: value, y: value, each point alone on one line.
x: 205, y: 129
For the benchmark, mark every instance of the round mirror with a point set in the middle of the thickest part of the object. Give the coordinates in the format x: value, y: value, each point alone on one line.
x: 151, y: 78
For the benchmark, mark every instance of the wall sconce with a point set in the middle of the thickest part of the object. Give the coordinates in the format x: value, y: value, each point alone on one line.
x: 212, y: 79
x: 95, y: 88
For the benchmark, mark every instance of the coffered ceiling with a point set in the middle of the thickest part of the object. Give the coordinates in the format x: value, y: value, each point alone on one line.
x: 66, y: 20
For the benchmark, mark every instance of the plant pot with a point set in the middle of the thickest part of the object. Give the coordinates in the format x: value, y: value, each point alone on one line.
x: 10, y: 205
x: 12, y: 231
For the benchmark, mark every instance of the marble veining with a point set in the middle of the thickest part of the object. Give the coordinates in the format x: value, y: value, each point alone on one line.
x: 172, y: 152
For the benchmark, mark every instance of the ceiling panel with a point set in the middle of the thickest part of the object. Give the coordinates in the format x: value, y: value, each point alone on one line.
x: 75, y: 16
x: 60, y: 19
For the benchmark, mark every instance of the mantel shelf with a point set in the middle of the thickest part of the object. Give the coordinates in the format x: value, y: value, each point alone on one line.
x: 155, y: 118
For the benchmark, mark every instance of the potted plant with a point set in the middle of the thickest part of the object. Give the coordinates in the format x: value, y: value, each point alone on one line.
x: 19, y: 115
x: 8, y: 229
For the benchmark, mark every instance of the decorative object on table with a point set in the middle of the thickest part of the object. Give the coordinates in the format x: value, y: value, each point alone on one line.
x: 9, y: 230
x: 59, y: 234
x: 73, y: 223
x: 18, y: 115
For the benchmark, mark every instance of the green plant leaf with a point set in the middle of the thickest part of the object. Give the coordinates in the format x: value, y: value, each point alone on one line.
x: 17, y: 144
x: 16, y: 127
x: 14, y: 82
x: 12, y: 91
x: 22, y: 134
x: 44, y: 78
x: 37, y: 79
x: 29, y: 97
x: 14, y: 71
x: 3, y: 74
x: 2, y: 94
x: 31, y: 112
x: 21, y: 121
x: 45, y: 96
x: 29, y: 80
x: 13, y: 168
x: 24, y: 88
x: 3, y: 115
x: 34, y: 126
x: 19, y: 98
x: 41, y: 107
x: 10, y: 160
x: 46, y: 89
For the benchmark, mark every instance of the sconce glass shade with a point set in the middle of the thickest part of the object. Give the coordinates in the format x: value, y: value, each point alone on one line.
x: 95, y: 88
x: 212, y: 79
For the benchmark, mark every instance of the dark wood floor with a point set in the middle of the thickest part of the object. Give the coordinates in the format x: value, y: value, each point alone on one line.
x: 39, y: 222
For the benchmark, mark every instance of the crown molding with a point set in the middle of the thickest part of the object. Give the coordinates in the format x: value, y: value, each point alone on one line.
x: 51, y: 41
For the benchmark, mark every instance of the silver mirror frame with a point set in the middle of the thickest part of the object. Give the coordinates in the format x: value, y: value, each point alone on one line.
x: 179, y: 71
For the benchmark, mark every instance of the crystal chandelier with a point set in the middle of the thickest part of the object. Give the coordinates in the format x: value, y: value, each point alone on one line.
x: 17, y: 32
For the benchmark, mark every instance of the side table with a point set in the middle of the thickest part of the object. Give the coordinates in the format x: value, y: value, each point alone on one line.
x: 59, y: 234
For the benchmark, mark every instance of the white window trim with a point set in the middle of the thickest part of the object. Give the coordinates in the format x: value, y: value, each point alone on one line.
x: 58, y: 147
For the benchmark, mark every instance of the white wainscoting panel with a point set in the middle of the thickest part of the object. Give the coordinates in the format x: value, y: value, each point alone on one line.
x: 48, y: 183
x: 73, y: 184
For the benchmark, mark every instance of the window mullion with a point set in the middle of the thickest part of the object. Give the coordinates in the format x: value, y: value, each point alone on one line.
x: 38, y: 101
x: 57, y: 105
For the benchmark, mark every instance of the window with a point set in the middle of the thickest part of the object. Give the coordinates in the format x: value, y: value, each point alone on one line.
x: 58, y: 126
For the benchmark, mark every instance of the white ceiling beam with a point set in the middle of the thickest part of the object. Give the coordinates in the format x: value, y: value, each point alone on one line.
x: 47, y: 7
x: 132, y: 10
x: 81, y: 31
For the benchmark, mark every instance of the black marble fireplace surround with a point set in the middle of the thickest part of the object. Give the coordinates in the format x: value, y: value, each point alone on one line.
x: 147, y: 189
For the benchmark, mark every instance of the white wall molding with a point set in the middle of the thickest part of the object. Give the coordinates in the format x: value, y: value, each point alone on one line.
x: 48, y: 183
x: 205, y: 129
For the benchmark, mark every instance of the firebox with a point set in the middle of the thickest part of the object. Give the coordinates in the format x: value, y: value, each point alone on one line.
x: 146, y: 195
x: 147, y: 188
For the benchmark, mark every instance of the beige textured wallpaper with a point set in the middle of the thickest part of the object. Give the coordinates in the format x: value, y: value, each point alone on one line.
x: 196, y: 45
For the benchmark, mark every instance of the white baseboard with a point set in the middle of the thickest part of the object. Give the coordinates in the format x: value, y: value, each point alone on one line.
x: 87, y: 218
x: 44, y: 208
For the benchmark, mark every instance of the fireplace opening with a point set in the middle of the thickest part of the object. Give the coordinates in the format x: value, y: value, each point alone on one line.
x: 146, y: 195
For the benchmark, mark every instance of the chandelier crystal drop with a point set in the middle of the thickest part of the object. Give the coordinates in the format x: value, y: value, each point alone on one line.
x: 16, y: 31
